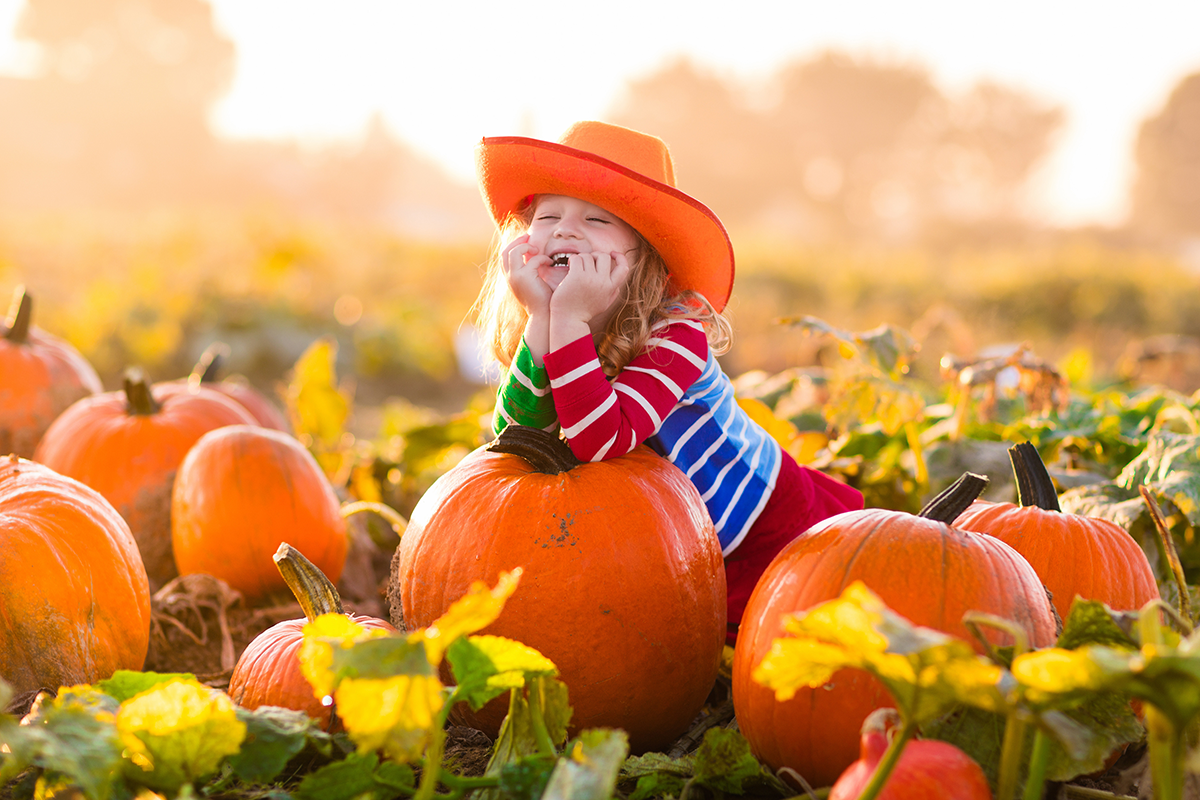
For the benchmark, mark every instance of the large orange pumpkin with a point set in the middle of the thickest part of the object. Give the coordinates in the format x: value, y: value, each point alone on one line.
x: 128, y: 444
x: 924, y: 569
x: 40, y: 376
x: 267, y: 672
x: 241, y: 492
x: 1075, y: 555
x: 623, y: 585
x: 74, y: 600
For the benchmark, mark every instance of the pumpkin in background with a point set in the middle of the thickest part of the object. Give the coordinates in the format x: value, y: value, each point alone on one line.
x: 208, y: 373
x: 922, y: 568
x: 268, y: 671
x: 40, y: 376
x: 623, y: 585
x: 74, y: 600
x: 128, y: 444
x: 1074, y: 555
x: 241, y: 492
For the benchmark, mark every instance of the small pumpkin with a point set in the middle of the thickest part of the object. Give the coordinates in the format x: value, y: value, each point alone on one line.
x: 128, y: 444
x: 239, y: 493
x: 267, y: 672
x: 623, y: 585
x: 40, y: 377
x: 74, y: 599
x: 927, y: 769
x: 924, y: 569
x: 209, y: 373
x: 1075, y: 555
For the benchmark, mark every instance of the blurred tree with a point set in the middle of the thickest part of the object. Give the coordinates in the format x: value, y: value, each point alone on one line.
x: 1166, y: 191
x: 122, y: 94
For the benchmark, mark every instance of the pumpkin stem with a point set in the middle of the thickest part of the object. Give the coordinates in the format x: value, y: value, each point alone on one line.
x: 212, y: 361
x: 314, y: 592
x: 544, y: 451
x: 138, y: 399
x: 951, y: 502
x: 21, y: 314
x: 1035, y: 487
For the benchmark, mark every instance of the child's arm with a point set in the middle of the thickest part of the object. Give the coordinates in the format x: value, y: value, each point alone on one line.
x: 524, y: 397
x: 604, y: 420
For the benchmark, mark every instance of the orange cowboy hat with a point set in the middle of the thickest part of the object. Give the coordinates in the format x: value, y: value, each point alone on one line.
x: 623, y: 171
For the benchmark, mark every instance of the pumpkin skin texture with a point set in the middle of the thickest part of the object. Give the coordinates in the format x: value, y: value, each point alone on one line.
x: 923, y: 569
x: 239, y: 493
x: 74, y: 599
x: 623, y: 585
x: 1074, y: 555
x: 268, y: 671
x: 128, y: 445
x: 927, y: 769
x: 40, y: 377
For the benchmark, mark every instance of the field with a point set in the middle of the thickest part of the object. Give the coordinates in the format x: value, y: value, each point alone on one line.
x: 895, y: 371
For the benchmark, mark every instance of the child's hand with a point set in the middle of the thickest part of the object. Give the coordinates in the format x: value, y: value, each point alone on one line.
x: 592, y: 286
x: 520, y: 261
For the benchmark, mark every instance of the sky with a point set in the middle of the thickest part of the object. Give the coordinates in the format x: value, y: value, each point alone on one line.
x: 443, y: 73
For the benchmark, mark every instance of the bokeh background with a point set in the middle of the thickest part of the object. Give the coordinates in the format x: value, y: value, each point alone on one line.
x: 268, y: 172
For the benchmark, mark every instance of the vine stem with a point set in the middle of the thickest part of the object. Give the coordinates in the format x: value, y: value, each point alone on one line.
x: 398, y: 522
x: 891, y: 756
x: 1172, y: 554
x: 1015, y: 724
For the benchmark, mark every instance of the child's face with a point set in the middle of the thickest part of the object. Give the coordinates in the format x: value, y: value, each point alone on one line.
x: 564, y: 224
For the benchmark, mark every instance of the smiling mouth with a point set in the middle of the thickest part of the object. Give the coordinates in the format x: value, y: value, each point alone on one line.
x: 560, y: 260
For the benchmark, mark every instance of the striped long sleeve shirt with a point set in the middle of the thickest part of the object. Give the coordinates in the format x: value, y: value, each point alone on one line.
x: 674, y: 396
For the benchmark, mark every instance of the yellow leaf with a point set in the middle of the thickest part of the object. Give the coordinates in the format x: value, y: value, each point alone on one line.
x: 393, y: 714
x: 318, y: 406
x: 793, y: 663
x: 477, y: 609
x: 1055, y: 671
x: 316, y: 651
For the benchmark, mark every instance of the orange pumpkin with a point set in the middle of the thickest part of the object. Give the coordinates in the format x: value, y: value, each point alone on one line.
x: 74, y: 600
x: 268, y: 671
x: 40, y: 376
x: 240, y: 492
x: 924, y: 569
x: 208, y: 373
x: 128, y: 444
x: 623, y: 585
x: 1076, y: 556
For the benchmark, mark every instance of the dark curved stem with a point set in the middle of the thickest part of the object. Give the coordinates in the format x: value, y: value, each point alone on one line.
x: 954, y: 500
x: 314, y: 591
x: 22, y: 315
x: 544, y: 451
x: 212, y: 361
x: 1035, y: 487
x: 138, y: 398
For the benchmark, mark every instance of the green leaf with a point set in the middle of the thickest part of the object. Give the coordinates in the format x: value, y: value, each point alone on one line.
x: 125, y: 684
x: 515, y: 742
x: 487, y: 666
x: 526, y: 778
x: 273, y: 737
x: 588, y: 769
x: 1092, y: 622
x: 1170, y: 465
x: 724, y: 762
x: 651, y: 763
x: 357, y: 777
x: 658, y: 784
x: 381, y: 657
x: 1082, y: 738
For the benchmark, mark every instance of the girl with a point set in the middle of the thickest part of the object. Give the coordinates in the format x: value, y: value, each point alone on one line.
x: 603, y: 299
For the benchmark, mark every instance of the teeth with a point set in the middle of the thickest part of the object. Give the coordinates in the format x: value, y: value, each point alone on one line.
x: 560, y: 260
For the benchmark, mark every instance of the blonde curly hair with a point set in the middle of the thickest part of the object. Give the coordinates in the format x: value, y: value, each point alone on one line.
x: 646, y: 302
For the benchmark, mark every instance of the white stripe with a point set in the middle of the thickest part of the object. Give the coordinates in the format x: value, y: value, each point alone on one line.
x: 603, y: 451
x: 527, y: 382
x: 675, y: 347
x: 641, y: 401
x: 563, y: 380
x: 753, y: 516
x: 574, y: 430
x: 503, y: 413
x: 671, y: 385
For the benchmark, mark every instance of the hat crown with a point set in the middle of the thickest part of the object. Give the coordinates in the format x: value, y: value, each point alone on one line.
x: 640, y: 152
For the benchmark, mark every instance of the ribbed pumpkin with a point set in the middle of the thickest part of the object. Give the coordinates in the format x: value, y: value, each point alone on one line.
x: 40, y: 376
x: 922, y: 568
x: 241, y: 492
x: 623, y: 585
x: 1074, y: 555
x: 209, y: 373
x: 74, y: 600
x: 128, y: 444
x: 268, y: 671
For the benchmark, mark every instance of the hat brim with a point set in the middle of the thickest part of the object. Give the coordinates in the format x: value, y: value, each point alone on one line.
x: 687, y: 234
